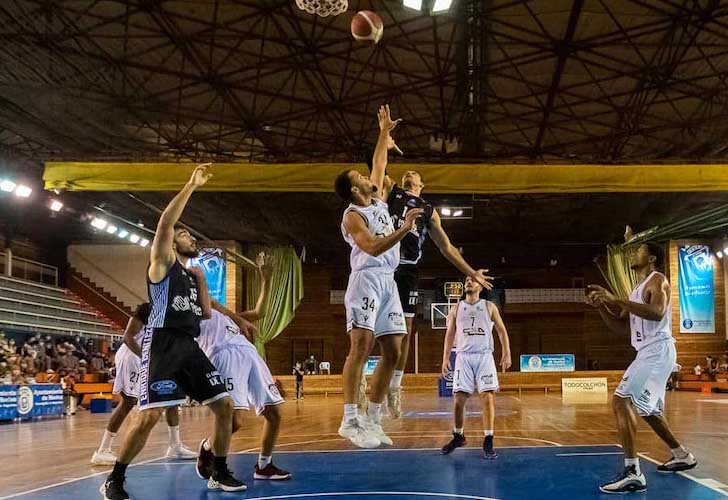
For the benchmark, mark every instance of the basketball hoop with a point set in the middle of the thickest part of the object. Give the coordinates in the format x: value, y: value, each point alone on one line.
x: 323, y: 8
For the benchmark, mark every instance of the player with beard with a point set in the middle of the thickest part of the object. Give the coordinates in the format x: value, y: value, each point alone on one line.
x: 172, y: 364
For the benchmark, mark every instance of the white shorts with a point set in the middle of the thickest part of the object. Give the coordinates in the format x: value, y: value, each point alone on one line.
x: 645, y: 380
x: 128, y: 368
x: 372, y: 303
x: 474, y: 371
x: 247, y: 378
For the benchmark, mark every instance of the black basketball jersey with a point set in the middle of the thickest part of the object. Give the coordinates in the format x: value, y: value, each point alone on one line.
x: 175, y: 301
x: 399, y: 201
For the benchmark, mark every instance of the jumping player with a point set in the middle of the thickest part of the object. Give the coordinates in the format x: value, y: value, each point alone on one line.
x: 127, y: 361
x: 246, y: 377
x: 172, y: 363
x: 470, y: 327
x: 646, y: 316
x: 373, y: 308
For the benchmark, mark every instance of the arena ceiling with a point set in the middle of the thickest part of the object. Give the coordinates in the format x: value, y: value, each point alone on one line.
x: 260, y: 80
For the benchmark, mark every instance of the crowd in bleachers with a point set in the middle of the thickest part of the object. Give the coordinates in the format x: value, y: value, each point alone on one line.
x: 50, y: 359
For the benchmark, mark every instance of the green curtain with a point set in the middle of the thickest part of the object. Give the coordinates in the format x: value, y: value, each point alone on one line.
x: 286, y: 291
x: 617, y: 271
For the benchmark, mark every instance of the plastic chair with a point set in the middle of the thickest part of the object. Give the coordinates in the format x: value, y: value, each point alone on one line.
x: 325, y: 366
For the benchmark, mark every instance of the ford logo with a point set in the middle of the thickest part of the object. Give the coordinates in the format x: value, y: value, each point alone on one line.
x: 164, y: 385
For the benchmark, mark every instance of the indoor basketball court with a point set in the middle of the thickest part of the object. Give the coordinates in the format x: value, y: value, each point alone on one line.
x: 363, y: 249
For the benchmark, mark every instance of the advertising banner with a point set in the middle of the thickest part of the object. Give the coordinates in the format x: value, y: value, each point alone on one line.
x: 547, y: 363
x: 697, y: 302
x: 212, y: 261
x: 28, y: 401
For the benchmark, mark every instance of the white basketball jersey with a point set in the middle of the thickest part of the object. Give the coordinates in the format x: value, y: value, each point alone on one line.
x: 124, y: 349
x: 474, y: 328
x: 380, y: 225
x: 644, y: 331
x: 220, y: 332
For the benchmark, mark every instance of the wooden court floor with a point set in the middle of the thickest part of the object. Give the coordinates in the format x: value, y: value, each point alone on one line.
x: 40, y: 453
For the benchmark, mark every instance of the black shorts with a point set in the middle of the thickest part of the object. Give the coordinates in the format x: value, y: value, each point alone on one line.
x: 173, y: 366
x: 406, y: 276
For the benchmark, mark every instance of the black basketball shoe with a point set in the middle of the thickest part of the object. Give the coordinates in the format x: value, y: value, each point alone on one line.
x: 457, y: 441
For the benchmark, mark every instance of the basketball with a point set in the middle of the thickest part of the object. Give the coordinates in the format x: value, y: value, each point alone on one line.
x: 366, y: 26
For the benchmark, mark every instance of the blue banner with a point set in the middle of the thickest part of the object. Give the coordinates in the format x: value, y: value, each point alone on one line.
x: 697, y: 304
x: 371, y: 365
x: 547, y: 363
x: 212, y: 261
x: 28, y: 401
x: 444, y: 384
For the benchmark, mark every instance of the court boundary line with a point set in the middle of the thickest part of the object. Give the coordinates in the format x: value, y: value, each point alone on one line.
x: 688, y: 476
x: 383, y: 493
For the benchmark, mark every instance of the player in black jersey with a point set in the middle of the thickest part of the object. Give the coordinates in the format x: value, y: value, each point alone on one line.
x: 173, y: 365
x: 400, y: 201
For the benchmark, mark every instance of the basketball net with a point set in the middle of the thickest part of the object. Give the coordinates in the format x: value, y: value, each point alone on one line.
x: 323, y: 8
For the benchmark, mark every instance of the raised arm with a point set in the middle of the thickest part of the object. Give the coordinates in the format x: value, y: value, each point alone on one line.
x: 379, y: 161
x: 132, y: 328
x: 500, y: 329
x: 356, y: 226
x: 449, y: 339
x: 265, y: 268
x: 438, y: 235
x: 162, y: 251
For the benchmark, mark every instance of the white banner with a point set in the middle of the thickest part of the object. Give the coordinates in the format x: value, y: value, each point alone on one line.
x: 580, y: 386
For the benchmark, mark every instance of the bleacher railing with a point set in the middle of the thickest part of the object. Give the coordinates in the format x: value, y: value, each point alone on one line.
x: 18, y: 267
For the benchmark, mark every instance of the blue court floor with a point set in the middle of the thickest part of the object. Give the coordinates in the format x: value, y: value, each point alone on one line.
x: 568, y: 472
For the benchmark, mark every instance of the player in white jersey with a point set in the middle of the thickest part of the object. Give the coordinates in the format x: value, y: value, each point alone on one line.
x: 128, y: 367
x: 246, y: 376
x: 373, y: 308
x: 646, y: 316
x: 470, y: 328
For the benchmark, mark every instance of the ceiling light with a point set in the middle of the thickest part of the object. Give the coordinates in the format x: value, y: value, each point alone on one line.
x: 719, y: 254
x: 457, y: 213
x: 413, y: 4
x: 140, y: 224
x: 134, y: 238
x: 123, y: 234
x: 56, y: 205
x: 144, y: 243
x: 23, y: 191
x: 445, y: 211
x: 441, y: 6
x: 725, y: 251
x: 7, y: 186
x: 111, y: 229
x: 98, y: 223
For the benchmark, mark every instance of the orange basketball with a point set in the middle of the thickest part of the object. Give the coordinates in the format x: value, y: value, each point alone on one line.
x: 367, y: 26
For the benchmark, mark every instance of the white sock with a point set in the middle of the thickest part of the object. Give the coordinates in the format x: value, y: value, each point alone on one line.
x: 633, y: 461
x: 263, y: 461
x: 350, y: 412
x: 396, y: 381
x: 174, y: 436
x: 207, y: 445
x: 106, y: 441
x: 679, y: 452
x: 488, y: 433
x: 458, y: 430
x: 373, y: 410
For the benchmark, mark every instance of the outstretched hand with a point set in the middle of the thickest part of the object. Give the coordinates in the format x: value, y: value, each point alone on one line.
x: 484, y: 280
x: 386, y: 124
x: 199, y: 175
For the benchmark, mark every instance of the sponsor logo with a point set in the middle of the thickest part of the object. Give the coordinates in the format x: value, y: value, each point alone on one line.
x: 214, y: 378
x: 274, y: 390
x: 488, y: 379
x: 590, y: 385
x: 164, y: 387
x: 645, y: 396
x: 534, y: 362
x: 25, y: 400
x: 448, y: 376
x: 688, y: 324
x: 366, y: 317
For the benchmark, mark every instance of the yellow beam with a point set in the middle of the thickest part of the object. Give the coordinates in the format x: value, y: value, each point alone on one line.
x: 446, y: 179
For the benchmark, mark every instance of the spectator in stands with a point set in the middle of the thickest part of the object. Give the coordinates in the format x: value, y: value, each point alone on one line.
x: 673, y: 383
x: 710, y: 367
x: 97, y: 363
x: 17, y: 377
x: 68, y: 360
x: 311, y: 365
x: 723, y: 366
x: 82, y: 370
x: 27, y: 367
x: 4, y: 373
x: 697, y: 370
